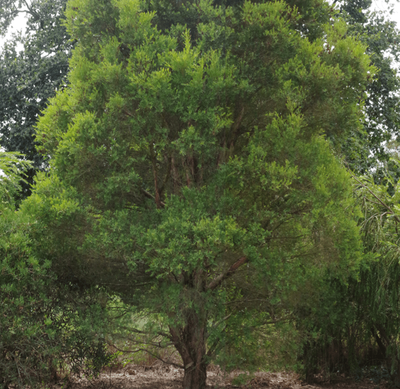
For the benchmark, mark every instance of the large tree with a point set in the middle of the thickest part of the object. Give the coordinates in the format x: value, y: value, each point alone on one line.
x: 33, y: 65
x: 189, y: 168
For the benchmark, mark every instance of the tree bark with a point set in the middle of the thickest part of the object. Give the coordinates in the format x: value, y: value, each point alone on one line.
x: 191, y: 345
x: 382, y: 347
x: 195, y: 377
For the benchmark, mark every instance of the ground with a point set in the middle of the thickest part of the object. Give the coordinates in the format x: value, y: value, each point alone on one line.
x: 166, y: 377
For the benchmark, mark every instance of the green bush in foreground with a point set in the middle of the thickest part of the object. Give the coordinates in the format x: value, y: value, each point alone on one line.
x: 41, y: 328
x: 44, y: 326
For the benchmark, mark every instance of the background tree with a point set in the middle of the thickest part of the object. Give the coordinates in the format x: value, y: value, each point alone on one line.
x: 366, y: 151
x: 379, y: 286
x: 354, y: 325
x: 190, y: 171
x: 31, y: 75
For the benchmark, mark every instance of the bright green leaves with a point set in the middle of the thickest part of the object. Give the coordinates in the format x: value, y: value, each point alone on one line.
x: 196, y: 161
x: 317, y: 79
x: 12, y: 165
x: 136, y: 26
x: 187, y: 237
x: 131, y: 17
x: 38, y: 314
x: 55, y: 124
x: 192, y: 100
x: 270, y: 18
x: 52, y: 198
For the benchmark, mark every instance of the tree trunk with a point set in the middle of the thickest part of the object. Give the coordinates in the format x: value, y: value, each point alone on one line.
x: 195, y: 376
x: 191, y: 345
x: 381, y: 346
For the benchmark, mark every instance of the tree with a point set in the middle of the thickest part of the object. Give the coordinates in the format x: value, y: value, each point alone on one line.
x: 189, y: 168
x: 29, y: 77
x: 44, y: 326
x: 356, y: 322
x: 367, y: 150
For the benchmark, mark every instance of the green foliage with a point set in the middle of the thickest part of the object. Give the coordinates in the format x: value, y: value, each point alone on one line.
x: 41, y: 327
x: 190, y: 173
x: 29, y: 77
x: 12, y: 165
x: 379, y: 285
x: 365, y: 151
x: 356, y: 324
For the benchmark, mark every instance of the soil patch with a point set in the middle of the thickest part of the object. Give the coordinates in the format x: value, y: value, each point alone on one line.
x: 167, y: 377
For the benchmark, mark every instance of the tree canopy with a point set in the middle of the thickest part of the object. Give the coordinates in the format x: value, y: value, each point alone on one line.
x: 189, y: 168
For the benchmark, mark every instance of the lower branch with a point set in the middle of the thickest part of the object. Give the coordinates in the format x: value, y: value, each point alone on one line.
x: 150, y: 353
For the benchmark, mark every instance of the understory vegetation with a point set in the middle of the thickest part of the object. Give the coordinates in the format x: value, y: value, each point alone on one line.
x: 199, y: 182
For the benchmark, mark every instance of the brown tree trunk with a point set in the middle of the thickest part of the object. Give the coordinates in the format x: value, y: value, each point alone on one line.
x: 191, y: 345
x: 195, y: 376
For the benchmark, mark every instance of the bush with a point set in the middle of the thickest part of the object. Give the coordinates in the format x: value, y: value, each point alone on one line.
x: 44, y: 325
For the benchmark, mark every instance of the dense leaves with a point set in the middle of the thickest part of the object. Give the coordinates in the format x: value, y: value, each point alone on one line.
x: 355, y: 325
x: 43, y: 324
x: 13, y: 167
x: 31, y: 75
x: 189, y: 168
x: 194, y: 187
x: 366, y: 151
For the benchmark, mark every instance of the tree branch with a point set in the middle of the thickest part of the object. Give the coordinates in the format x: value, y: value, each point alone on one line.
x: 150, y: 196
x: 31, y: 11
x: 222, y: 320
x: 223, y: 276
x: 160, y: 333
x: 157, y: 197
x: 213, y: 348
x: 142, y: 342
x: 152, y: 354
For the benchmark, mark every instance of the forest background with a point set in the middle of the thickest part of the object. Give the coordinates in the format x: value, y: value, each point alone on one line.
x: 219, y: 178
